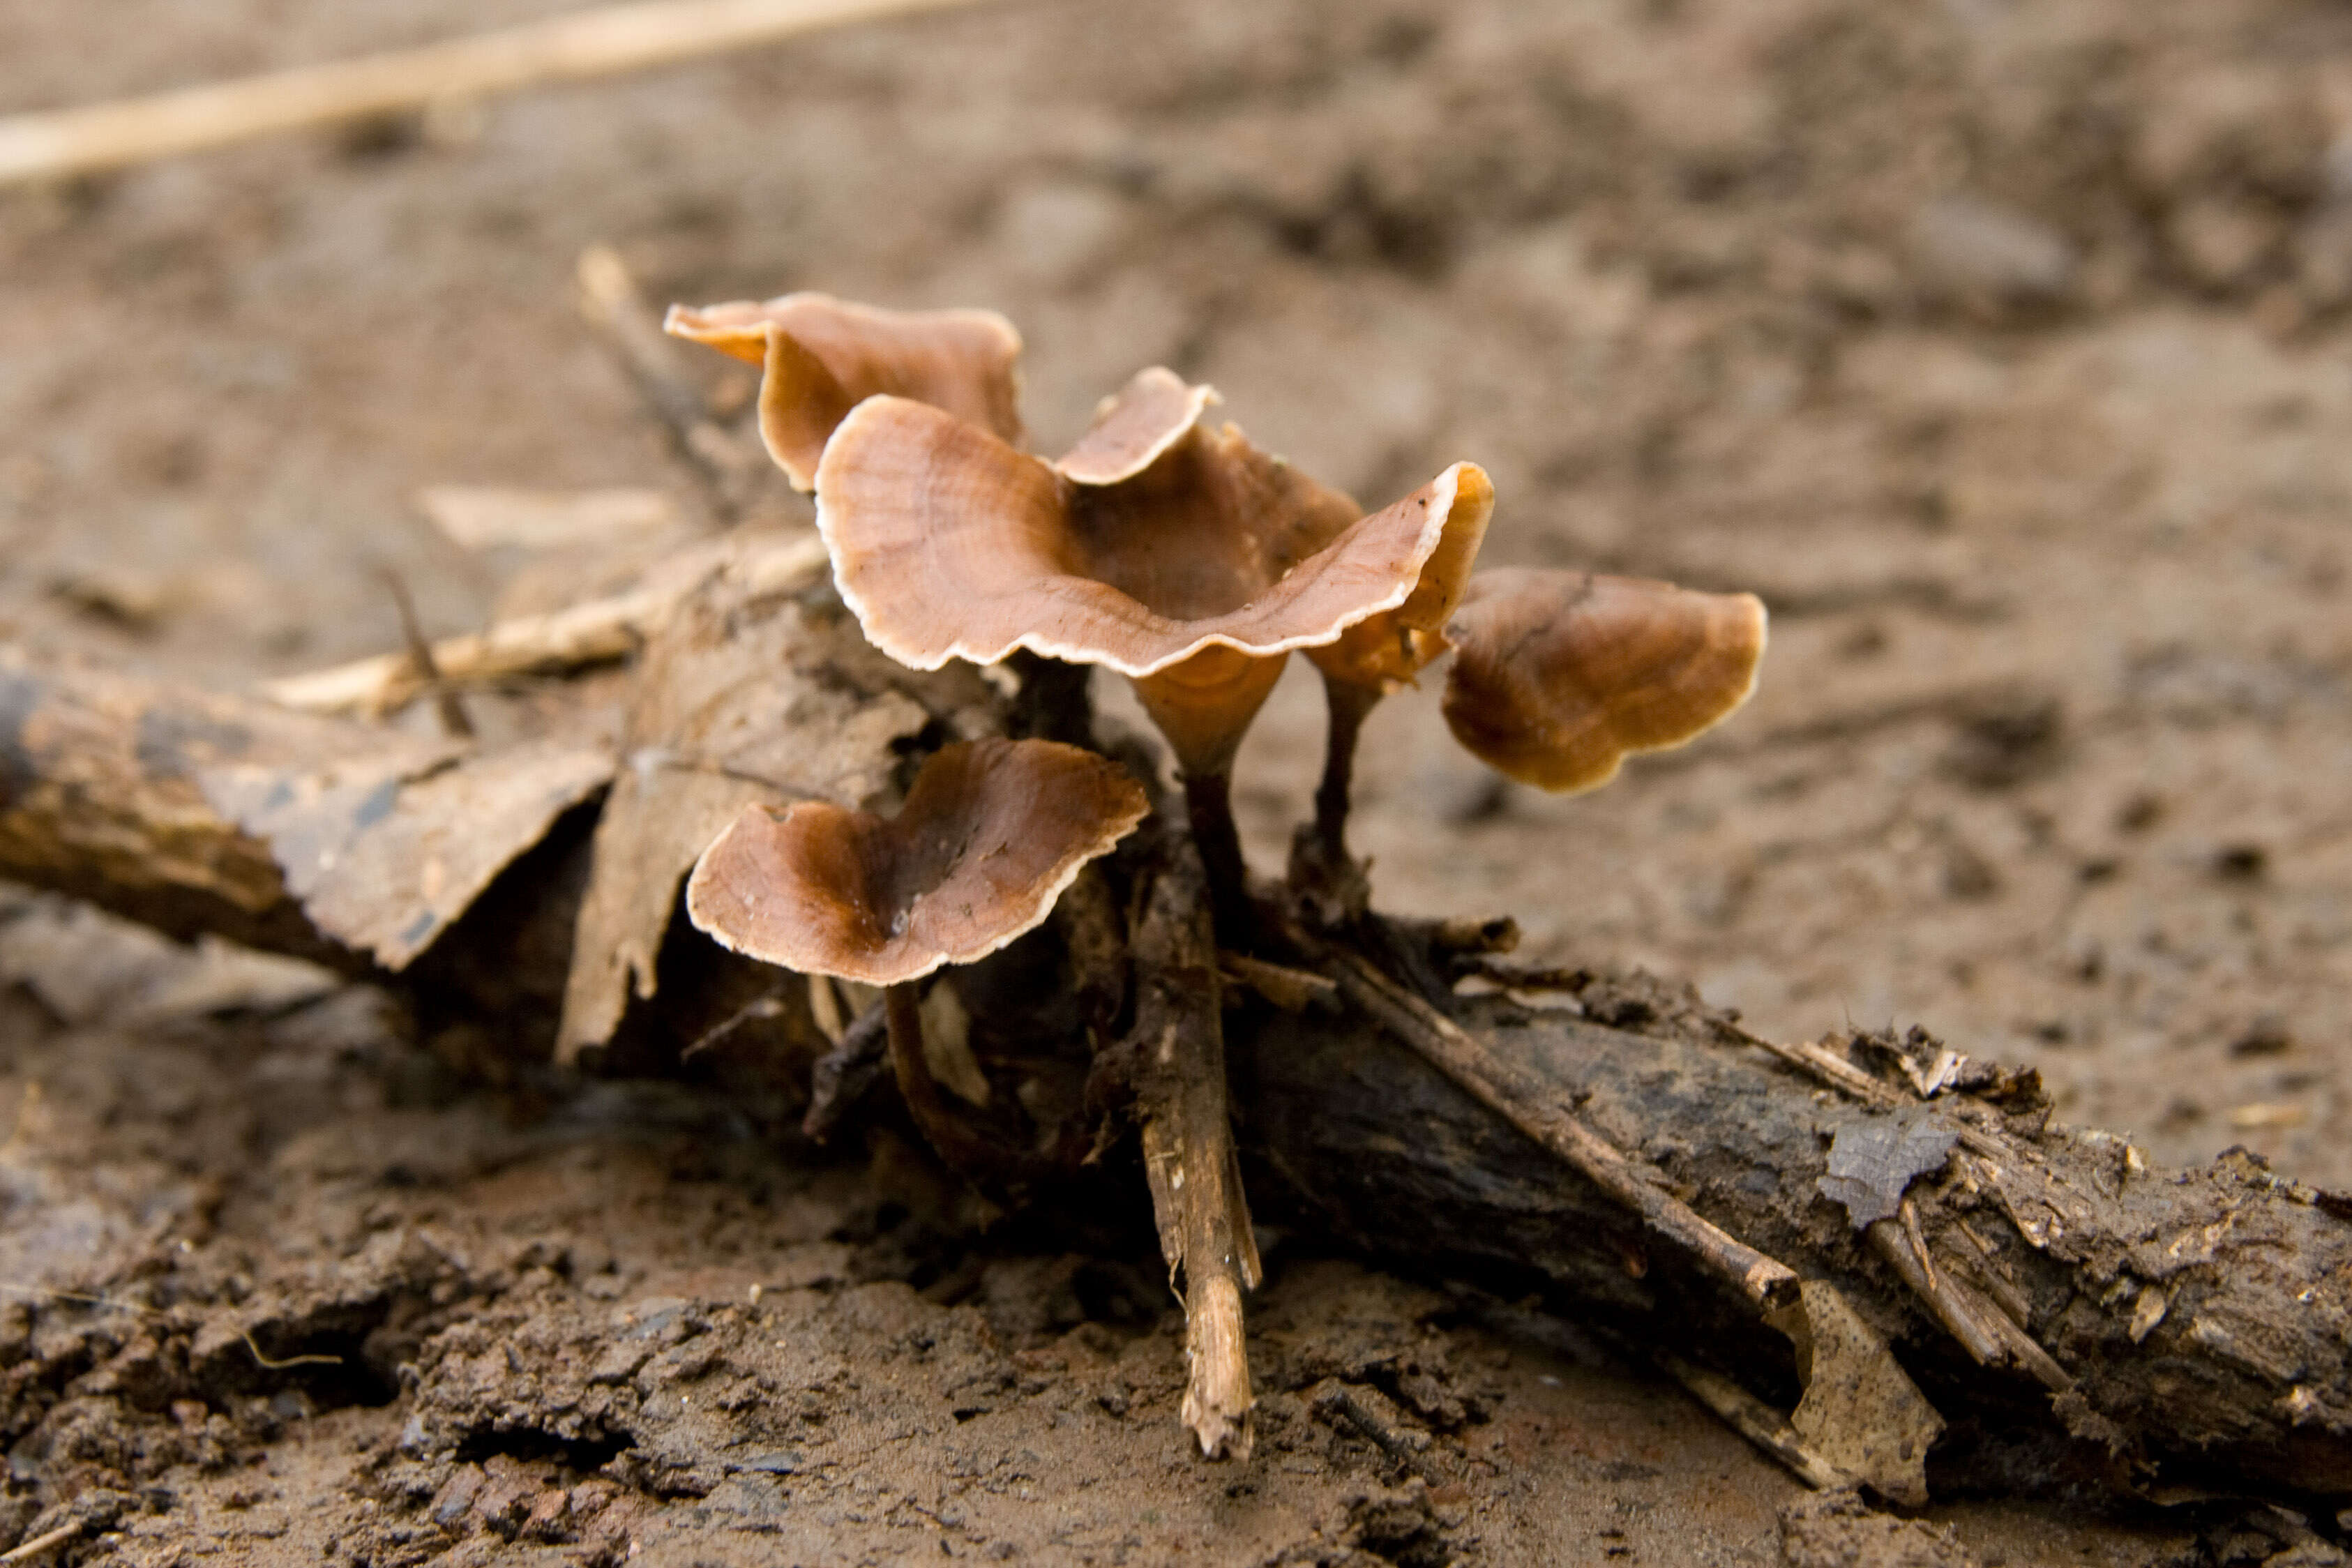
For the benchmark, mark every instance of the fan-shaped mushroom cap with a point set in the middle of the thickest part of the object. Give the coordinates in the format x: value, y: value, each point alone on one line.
x: 822, y: 356
x: 948, y: 543
x: 1387, y: 650
x: 1559, y: 674
x: 991, y: 834
x: 1134, y: 426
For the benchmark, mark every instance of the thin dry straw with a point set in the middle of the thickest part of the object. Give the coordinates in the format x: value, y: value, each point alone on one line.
x: 60, y: 143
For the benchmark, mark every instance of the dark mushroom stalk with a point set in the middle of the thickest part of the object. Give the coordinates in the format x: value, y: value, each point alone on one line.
x: 1383, y: 652
x: 1559, y: 675
x: 991, y: 834
x: 1346, y: 707
x: 1187, y: 559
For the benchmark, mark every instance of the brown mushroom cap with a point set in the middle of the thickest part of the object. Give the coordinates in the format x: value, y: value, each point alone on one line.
x: 1385, y: 651
x: 822, y: 356
x: 991, y: 834
x: 948, y: 543
x: 1558, y: 675
x: 1134, y: 426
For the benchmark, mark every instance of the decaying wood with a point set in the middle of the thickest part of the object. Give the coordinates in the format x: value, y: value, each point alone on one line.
x: 2198, y: 1321
x: 356, y: 848
x: 1535, y: 1109
x: 61, y: 144
x: 2244, y: 1378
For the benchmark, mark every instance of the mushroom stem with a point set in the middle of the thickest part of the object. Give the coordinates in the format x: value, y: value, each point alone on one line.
x: 1053, y: 703
x: 1209, y: 801
x: 947, y: 1132
x: 1350, y: 705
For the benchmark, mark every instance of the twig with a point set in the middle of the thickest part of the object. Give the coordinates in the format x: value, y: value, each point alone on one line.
x: 758, y: 1010
x: 610, y: 300
x: 2024, y: 1350
x: 1522, y: 977
x: 484, y: 516
x: 1827, y: 1066
x: 1830, y: 1069
x: 1909, y: 1213
x: 42, y: 1543
x: 592, y: 633
x: 1292, y: 989
x: 1754, y: 1420
x: 1502, y: 1089
x: 1188, y: 1151
x: 1370, y: 1414
x: 451, y: 708
x: 1991, y: 1281
x: 1984, y: 1344
x: 280, y: 1365
x: 844, y: 1074
x: 61, y: 144
x: 79, y: 1299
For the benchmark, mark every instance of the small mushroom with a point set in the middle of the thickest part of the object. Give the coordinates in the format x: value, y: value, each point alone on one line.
x: 820, y: 357
x: 991, y: 834
x: 1383, y: 652
x: 1558, y: 675
x: 1185, y: 558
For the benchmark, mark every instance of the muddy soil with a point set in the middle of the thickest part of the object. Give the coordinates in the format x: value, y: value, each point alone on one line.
x: 2000, y: 347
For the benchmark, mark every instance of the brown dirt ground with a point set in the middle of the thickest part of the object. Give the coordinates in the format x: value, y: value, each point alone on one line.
x: 2000, y: 346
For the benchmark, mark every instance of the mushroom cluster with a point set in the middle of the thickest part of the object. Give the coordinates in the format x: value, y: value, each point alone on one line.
x: 1183, y: 557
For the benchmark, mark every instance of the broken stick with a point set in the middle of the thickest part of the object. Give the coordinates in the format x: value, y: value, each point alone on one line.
x: 62, y: 143
x: 593, y: 633
x: 1177, y: 1043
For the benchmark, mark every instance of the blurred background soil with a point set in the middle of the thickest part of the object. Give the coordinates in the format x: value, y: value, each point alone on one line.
x: 2000, y: 346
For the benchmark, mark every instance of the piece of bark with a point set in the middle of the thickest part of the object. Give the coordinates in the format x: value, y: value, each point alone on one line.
x: 386, y: 852
x: 1861, y: 1412
x: 104, y: 795
x: 2238, y: 1375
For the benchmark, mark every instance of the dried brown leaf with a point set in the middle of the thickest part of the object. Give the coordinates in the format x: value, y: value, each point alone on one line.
x: 743, y: 699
